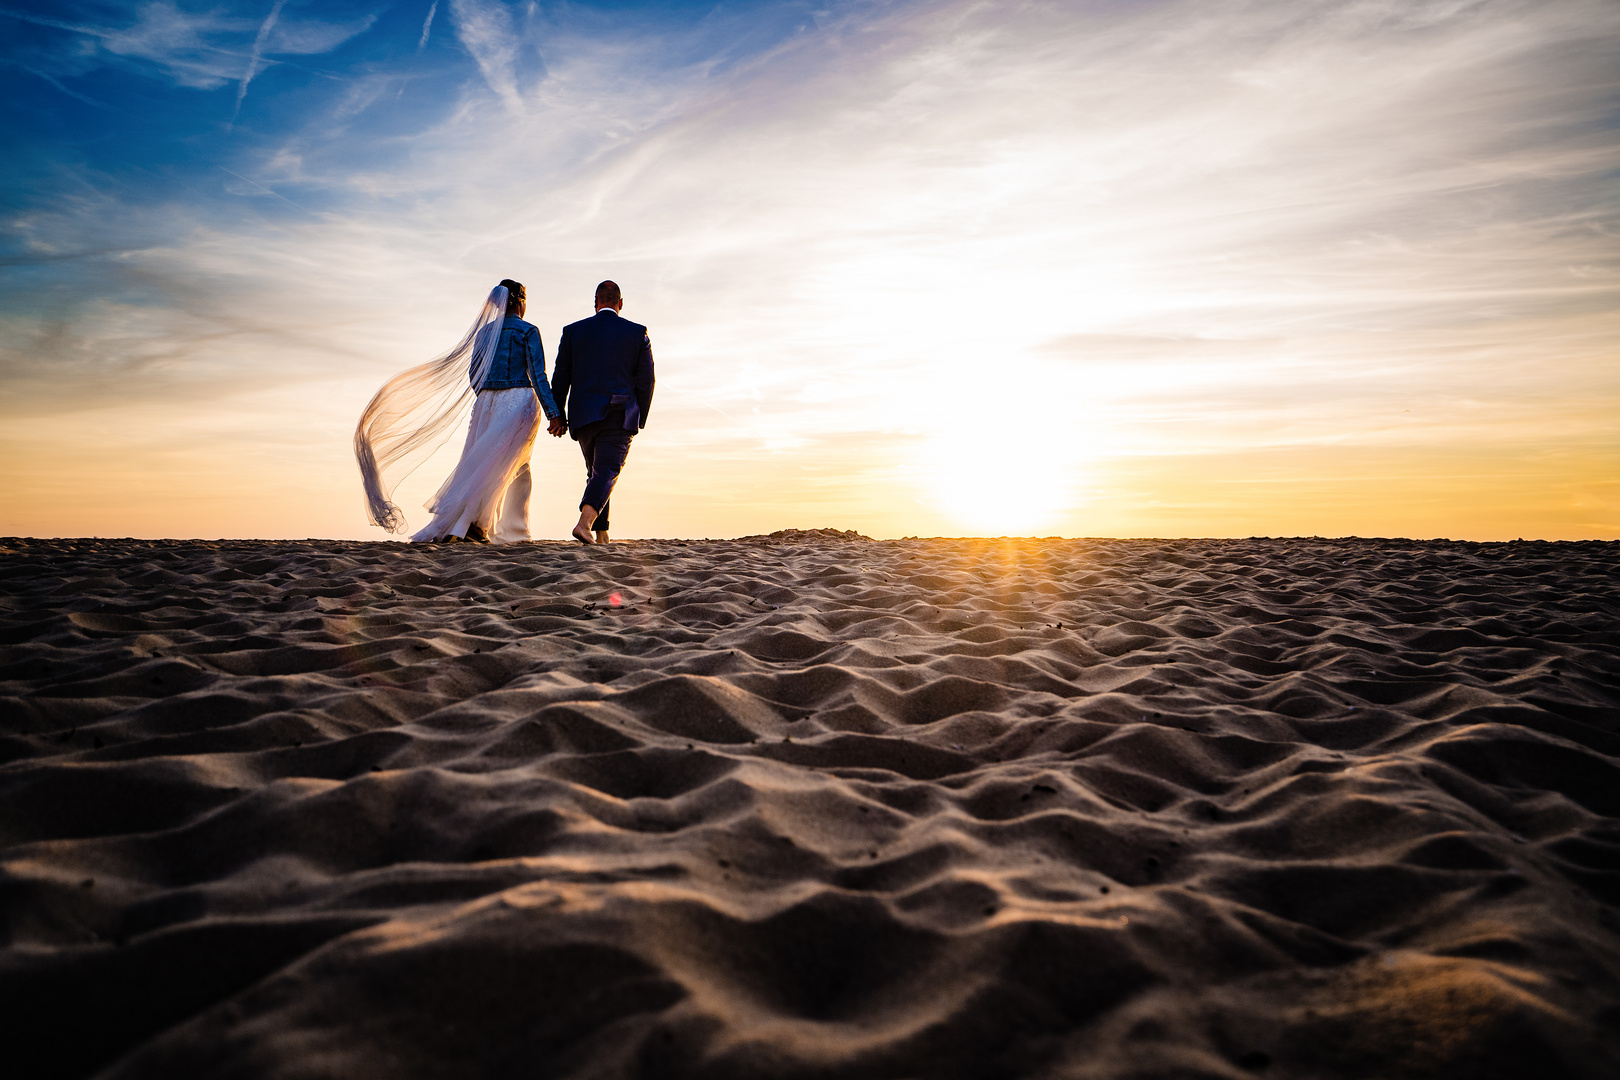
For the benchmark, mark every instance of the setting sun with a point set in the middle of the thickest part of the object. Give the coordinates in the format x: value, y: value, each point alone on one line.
x: 993, y: 485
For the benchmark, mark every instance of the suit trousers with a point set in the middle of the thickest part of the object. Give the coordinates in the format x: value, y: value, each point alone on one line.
x: 605, y: 444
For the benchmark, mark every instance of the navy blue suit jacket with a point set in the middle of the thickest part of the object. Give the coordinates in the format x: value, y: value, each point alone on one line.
x: 598, y: 359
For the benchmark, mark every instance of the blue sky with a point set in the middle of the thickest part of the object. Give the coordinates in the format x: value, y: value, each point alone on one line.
x: 161, y: 104
x: 1215, y: 267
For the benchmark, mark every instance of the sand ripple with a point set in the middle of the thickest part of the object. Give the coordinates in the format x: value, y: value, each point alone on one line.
x: 811, y: 806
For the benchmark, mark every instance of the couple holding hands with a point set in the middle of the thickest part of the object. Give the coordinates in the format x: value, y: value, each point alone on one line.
x: 600, y: 392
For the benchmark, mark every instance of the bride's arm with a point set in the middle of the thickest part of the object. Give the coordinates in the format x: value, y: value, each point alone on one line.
x: 536, y: 357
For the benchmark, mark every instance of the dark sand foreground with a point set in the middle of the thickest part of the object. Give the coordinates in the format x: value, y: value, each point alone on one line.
x: 811, y: 806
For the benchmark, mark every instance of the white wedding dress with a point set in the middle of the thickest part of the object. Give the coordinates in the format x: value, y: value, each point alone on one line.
x: 491, y: 483
x: 417, y: 410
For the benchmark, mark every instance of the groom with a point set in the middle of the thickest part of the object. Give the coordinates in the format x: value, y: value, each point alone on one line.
x: 604, y: 379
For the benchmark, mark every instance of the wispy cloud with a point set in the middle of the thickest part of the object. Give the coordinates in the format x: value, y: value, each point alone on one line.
x: 487, y: 30
x: 203, y: 50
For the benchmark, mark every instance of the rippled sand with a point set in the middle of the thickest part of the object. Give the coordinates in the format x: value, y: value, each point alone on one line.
x: 811, y: 806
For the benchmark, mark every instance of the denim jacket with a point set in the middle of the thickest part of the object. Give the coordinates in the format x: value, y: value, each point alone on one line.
x: 520, y: 360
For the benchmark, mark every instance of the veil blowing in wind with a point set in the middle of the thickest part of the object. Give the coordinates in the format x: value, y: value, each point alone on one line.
x: 417, y: 410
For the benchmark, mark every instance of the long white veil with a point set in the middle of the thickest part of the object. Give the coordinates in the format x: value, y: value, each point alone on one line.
x: 415, y: 412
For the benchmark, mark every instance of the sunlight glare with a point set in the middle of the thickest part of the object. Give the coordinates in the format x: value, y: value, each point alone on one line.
x: 996, y: 486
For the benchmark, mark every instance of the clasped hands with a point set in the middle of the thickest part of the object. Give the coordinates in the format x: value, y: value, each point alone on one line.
x: 558, y: 427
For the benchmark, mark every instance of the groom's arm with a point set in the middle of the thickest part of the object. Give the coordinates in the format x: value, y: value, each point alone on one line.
x: 644, y: 378
x: 562, y: 376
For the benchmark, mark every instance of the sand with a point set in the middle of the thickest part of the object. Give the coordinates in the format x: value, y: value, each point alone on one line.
x: 811, y: 806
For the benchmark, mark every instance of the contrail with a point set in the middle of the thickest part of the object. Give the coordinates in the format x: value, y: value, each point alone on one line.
x: 70, y: 93
x: 266, y: 190
x: 427, y: 24
x: 253, y: 60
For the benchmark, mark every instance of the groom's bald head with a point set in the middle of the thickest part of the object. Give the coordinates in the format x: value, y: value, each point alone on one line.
x: 607, y: 295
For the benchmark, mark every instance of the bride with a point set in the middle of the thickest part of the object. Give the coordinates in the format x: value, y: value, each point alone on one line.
x: 500, y: 365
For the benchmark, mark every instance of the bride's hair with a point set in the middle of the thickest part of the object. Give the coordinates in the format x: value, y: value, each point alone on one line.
x: 515, y: 294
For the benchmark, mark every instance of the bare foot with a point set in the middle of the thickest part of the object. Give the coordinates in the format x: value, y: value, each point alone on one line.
x: 602, y: 536
x: 582, y: 528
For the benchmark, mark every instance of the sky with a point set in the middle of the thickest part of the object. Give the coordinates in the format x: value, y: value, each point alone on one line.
x: 1130, y: 268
